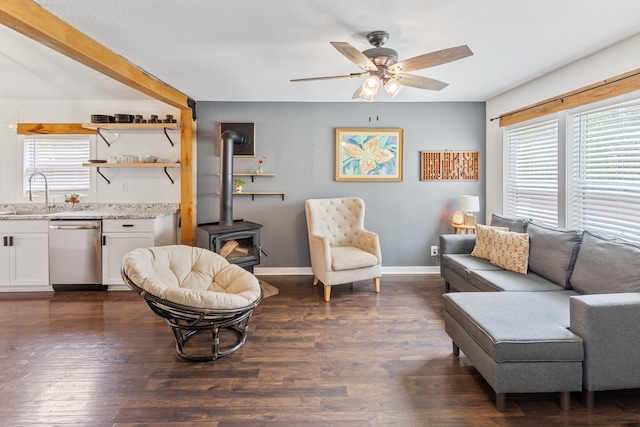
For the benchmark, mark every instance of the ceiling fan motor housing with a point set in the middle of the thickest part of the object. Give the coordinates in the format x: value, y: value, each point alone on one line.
x: 382, y: 56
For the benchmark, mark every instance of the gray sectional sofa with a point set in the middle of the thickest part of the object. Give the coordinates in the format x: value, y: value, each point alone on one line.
x: 571, y: 323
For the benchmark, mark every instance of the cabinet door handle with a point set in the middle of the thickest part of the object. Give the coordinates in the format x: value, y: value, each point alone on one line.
x: 104, y: 240
x: 127, y: 225
x: 6, y: 240
x: 10, y: 240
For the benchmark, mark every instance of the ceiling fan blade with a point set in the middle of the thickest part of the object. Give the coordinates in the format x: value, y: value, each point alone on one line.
x: 420, y: 82
x: 431, y: 59
x: 354, y: 55
x: 309, y: 79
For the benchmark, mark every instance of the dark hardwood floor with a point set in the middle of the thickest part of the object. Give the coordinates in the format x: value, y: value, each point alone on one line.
x: 364, y: 359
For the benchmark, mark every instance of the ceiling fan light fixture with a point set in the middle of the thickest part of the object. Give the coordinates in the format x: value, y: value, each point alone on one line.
x: 393, y: 87
x: 367, y: 94
x: 372, y: 83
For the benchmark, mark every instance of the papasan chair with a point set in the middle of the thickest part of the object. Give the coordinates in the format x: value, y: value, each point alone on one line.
x: 195, y: 290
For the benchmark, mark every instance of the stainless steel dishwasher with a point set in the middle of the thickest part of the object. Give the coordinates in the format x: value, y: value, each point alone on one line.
x: 75, y: 254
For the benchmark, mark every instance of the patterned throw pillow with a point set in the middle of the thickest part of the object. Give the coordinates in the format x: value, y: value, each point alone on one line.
x: 484, y: 240
x: 511, y: 251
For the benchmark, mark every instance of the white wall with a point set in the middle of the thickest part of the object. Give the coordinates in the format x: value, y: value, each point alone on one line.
x: 142, y: 185
x: 608, y: 63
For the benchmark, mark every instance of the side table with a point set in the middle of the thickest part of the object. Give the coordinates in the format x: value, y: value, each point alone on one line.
x: 463, y: 229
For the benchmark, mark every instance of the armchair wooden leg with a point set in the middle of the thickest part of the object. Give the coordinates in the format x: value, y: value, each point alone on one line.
x: 315, y: 280
x: 376, y: 284
x: 456, y: 349
x: 327, y: 293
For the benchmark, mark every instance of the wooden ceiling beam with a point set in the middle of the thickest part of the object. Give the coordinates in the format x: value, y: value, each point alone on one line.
x: 35, y: 22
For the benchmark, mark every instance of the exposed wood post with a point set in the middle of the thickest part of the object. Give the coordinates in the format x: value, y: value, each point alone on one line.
x: 188, y: 178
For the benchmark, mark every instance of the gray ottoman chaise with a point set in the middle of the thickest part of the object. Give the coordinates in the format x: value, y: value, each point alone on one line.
x: 567, y: 323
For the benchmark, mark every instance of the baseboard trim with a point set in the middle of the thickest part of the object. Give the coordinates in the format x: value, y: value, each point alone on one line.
x: 306, y: 271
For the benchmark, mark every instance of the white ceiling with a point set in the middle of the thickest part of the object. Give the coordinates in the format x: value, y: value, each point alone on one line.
x: 247, y: 50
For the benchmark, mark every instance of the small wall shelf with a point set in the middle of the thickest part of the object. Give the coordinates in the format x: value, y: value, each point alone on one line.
x: 132, y: 165
x: 259, y: 193
x: 132, y: 127
x: 252, y: 175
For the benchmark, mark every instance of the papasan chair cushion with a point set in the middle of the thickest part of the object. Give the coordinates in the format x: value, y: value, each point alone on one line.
x: 192, y: 277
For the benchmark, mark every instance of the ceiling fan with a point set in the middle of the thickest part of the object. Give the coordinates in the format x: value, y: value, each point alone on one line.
x: 381, y: 63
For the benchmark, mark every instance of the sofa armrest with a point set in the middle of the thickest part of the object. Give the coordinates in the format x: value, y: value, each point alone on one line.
x: 457, y: 243
x: 608, y: 325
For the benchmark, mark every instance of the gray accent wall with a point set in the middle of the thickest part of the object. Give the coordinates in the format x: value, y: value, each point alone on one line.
x: 298, y: 140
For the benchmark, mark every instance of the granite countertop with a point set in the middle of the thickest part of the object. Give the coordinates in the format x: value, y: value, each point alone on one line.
x: 9, y: 212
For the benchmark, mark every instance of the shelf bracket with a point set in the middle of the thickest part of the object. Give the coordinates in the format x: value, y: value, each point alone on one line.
x: 170, y: 142
x: 100, y: 173
x: 167, y: 173
x: 103, y: 138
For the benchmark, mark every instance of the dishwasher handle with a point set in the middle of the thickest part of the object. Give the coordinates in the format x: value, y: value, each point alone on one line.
x: 75, y: 227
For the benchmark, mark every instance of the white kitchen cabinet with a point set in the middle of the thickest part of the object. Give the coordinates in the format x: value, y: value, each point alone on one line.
x: 24, y: 255
x: 120, y: 236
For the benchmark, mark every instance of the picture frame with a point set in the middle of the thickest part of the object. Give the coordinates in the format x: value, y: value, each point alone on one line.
x: 369, y: 154
x: 248, y: 131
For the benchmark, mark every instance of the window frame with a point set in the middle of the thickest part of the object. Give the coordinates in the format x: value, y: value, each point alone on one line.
x: 565, y: 147
x: 55, y: 196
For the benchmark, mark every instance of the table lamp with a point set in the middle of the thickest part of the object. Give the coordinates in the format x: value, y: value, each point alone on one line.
x: 469, y: 205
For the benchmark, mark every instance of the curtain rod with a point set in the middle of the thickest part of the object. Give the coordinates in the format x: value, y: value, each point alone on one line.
x: 562, y: 98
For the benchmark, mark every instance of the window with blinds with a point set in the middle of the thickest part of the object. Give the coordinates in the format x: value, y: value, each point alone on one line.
x: 604, y: 182
x: 531, y: 180
x: 60, y: 160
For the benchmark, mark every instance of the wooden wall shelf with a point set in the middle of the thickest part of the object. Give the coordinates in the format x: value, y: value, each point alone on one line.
x: 132, y: 165
x: 259, y: 193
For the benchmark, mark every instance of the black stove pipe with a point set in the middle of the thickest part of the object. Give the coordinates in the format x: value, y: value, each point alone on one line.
x: 229, y: 137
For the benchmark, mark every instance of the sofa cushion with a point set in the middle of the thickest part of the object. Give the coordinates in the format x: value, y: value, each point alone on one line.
x: 485, y: 235
x: 552, y: 252
x: 518, y: 326
x: 504, y: 280
x: 518, y: 225
x: 606, y: 265
x: 511, y: 251
x: 462, y: 264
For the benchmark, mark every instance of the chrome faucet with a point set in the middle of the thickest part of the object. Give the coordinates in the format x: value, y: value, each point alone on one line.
x: 46, y: 189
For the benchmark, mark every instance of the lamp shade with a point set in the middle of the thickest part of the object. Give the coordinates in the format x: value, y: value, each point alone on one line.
x: 470, y: 203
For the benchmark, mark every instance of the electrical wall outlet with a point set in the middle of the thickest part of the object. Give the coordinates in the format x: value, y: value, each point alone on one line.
x: 124, y: 186
x: 434, y: 251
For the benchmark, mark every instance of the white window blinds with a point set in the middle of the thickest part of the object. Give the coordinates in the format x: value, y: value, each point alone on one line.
x: 60, y: 159
x: 604, y: 186
x: 531, y: 181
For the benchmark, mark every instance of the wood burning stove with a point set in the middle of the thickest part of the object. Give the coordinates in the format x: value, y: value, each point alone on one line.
x: 236, y: 240
x: 238, y: 243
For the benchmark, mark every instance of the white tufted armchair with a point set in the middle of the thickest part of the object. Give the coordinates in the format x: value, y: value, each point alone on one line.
x: 341, y: 250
